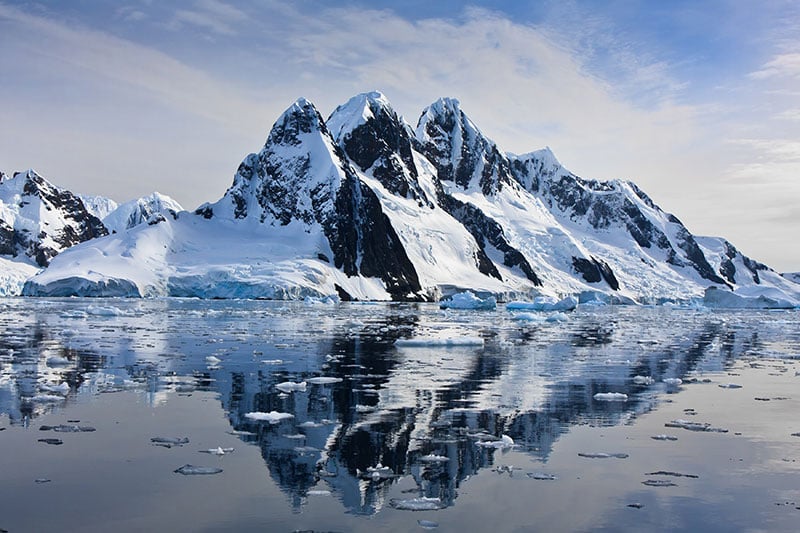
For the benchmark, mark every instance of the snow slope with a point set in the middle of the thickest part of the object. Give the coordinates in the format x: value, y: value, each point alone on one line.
x: 139, y: 211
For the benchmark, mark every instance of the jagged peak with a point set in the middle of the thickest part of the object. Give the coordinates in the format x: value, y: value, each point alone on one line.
x: 301, y: 117
x: 356, y: 111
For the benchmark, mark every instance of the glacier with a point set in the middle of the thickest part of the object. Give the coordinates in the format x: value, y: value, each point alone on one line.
x: 363, y: 206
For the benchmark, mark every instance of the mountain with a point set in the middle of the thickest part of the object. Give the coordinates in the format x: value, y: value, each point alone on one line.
x: 139, y: 211
x: 39, y: 220
x: 363, y: 205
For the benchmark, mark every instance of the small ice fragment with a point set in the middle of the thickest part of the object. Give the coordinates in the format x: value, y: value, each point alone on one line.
x: 468, y: 300
x: 673, y: 381
x: 309, y: 424
x: 636, y: 505
x: 694, y: 426
x: 670, y: 473
x: 41, y: 480
x: 430, y: 342
x: 55, y: 442
x: 323, y: 380
x: 427, y: 524
x: 603, y: 455
x: 272, y: 361
x: 192, y: 470
x: 47, y: 398
x: 289, y: 386
x: 433, y: 458
x: 503, y: 443
x: 219, y: 450
x: 557, y: 317
x: 611, y: 397
x: 541, y: 476
x: 61, y: 388
x: 378, y: 472
x: 57, y: 360
x: 730, y: 386
x: 273, y: 417
x: 664, y: 437
x: 169, y: 442
x: 241, y: 433
x: 643, y: 380
x: 417, y: 504
x: 67, y: 428
x: 318, y: 493
x: 212, y: 360
x: 659, y: 483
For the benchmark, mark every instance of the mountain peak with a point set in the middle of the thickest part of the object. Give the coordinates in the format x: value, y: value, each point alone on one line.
x: 357, y: 111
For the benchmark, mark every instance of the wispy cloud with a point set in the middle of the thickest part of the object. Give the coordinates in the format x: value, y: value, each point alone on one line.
x: 785, y: 65
x: 212, y: 15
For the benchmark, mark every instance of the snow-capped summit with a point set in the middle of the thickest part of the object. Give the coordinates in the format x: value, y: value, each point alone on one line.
x: 458, y: 149
x: 140, y: 211
x: 38, y: 220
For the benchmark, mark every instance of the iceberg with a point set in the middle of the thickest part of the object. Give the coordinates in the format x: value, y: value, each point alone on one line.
x: 468, y: 300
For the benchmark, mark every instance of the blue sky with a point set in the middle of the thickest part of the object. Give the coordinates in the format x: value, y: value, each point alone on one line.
x: 698, y: 102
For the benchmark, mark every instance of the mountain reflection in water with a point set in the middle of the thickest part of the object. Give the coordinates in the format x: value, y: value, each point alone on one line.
x: 430, y: 412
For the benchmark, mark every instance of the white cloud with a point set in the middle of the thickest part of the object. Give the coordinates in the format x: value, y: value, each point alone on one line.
x: 785, y: 65
x: 213, y: 15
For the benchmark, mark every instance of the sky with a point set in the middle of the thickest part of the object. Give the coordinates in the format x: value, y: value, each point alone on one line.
x: 696, y: 102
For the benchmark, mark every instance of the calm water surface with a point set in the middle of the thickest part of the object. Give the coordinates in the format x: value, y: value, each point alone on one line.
x: 487, y: 421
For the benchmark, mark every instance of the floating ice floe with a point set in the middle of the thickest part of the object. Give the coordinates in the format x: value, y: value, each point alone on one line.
x: 694, y: 426
x: 61, y: 388
x: 378, y: 472
x: 674, y: 382
x: 468, y: 300
x: 611, y: 397
x: 603, y: 455
x: 323, y: 380
x: 427, y: 524
x: 417, y: 504
x: 544, y: 303
x: 213, y: 360
x: 219, y: 450
x: 557, y: 317
x: 503, y: 443
x: 67, y: 428
x: 422, y: 342
x: 664, y: 437
x: 99, y: 310
x: 659, y: 483
x: 541, y: 476
x: 289, y: 386
x: 56, y: 442
x: 169, y: 442
x: 643, y: 380
x: 318, y: 493
x: 433, y: 458
x: 730, y: 386
x: 192, y: 470
x: 671, y: 474
x: 726, y: 299
x: 47, y: 398
x: 272, y: 362
x: 57, y: 360
x: 273, y: 417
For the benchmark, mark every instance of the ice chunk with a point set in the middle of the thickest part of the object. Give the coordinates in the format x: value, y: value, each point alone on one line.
x: 643, y: 380
x: 213, y: 360
x: 378, y: 472
x: 664, y: 437
x: 273, y: 417
x: 417, y: 504
x: 47, y: 398
x: 603, y: 455
x: 272, y: 361
x: 674, y: 382
x: 468, y: 300
x: 504, y: 442
x: 557, y: 317
x: 192, y: 470
x: 693, y: 426
x: 323, y: 380
x: 169, y: 442
x: 55, y: 442
x: 730, y: 386
x: 672, y: 474
x: 99, y: 310
x: 61, y: 388
x: 433, y: 458
x: 543, y: 303
x: 289, y: 386
x: 659, y: 483
x: 67, y: 428
x: 541, y: 476
x: 219, y: 450
x: 611, y: 397
x: 318, y: 493
x: 427, y: 524
x: 422, y: 342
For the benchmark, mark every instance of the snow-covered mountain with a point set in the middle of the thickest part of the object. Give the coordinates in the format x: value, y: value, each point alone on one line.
x: 139, y: 211
x: 365, y: 206
x: 39, y: 220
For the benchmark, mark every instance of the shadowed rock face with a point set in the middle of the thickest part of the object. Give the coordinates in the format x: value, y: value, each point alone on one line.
x: 69, y: 221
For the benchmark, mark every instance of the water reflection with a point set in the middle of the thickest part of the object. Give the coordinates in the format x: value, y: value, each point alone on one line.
x: 432, y: 414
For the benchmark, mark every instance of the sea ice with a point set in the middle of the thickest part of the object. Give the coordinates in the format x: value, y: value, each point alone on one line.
x: 730, y: 386
x: 544, y: 304
x: 433, y: 458
x: 427, y: 524
x: 213, y: 360
x: 664, y: 437
x: 67, y: 428
x: 541, y: 476
x: 318, y: 493
x: 611, y: 397
x: 273, y: 417
x: 169, y: 442
x: 192, y: 470
x: 217, y: 451
x: 289, y: 386
x: 417, y: 504
x: 659, y: 483
x: 52, y: 441
x: 643, y: 380
x: 674, y: 382
x: 503, y: 443
x: 694, y: 426
x: 323, y: 380
x: 468, y: 300
x: 603, y: 455
x: 422, y: 342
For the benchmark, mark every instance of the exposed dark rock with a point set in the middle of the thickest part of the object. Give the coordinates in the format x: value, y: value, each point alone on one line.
x: 595, y: 270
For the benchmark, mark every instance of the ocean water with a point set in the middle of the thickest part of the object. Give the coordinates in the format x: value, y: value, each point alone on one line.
x: 190, y: 415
